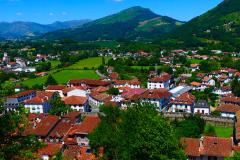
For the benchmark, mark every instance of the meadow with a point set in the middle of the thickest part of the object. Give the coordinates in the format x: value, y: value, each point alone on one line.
x: 83, y: 69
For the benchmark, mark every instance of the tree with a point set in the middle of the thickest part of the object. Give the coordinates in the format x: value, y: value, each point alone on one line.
x: 192, y: 127
x: 235, y: 85
x: 113, y: 91
x: 58, y: 107
x: 7, y: 88
x: 210, y: 131
x: 12, y: 144
x: 138, y: 133
x: 50, y: 81
x: 103, y: 60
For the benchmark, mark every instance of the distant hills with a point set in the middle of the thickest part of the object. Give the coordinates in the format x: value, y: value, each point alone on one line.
x: 130, y: 24
x: 29, y: 29
x: 219, y: 27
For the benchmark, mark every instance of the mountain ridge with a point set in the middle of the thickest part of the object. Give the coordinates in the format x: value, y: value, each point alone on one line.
x: 122, y: 25
x: 20, y: 29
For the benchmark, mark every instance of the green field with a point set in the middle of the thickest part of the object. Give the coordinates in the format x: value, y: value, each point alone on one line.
x: 54, y: 63
x: 63, y: 77
x: 195, y: 61
x: 89, y: 63
x: 224, y: 132
x: 144, y: 67
x: 75, y: 71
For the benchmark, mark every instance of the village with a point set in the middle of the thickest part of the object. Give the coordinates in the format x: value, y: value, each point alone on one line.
x: 68, y: 132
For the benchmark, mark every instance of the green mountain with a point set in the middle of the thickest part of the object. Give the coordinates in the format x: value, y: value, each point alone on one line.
x: 29, y: 29
x: 132, y: 23
x: 219, y: 27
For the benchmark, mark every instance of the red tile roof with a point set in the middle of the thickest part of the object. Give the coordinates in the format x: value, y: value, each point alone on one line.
x: 130, y: 82
x: 89, y: 123
x: 100, y: 89
x: 55, y: 87
x: 78, y: 153
x: 191, y: 146
x: 75, y: 100
x: 196, y: 84
x: 208, y: 146
x: 21, y: 94
x: 35, y: 100
x: 163, y: 78
x: 228, y: 108
x: 90, y: 82
x: 194, y: 65
x: 46, y: 125
x: 185, y: 98
x: 231, y: 99
x: 114, y: 75
x: 61, y: 128
x: 215, y: 146
x: 156, y: 94
x: 50, y: 149
x: 101, y: 97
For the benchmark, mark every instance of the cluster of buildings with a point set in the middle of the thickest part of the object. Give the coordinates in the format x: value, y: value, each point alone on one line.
x: 18, y: 65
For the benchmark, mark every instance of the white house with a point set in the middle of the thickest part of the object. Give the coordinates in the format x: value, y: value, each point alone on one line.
x: 134, y: 83
x: 77, y: 103
x: 201, y: 107
x: 183, y: 103
x: 159, y: 97
x: 223, y: 90
x: 228, y: 110
x: 75, y: 91
x: 98, y: 99
x: 56, y: 88
x: 160, y: 82
x: 208, y: 81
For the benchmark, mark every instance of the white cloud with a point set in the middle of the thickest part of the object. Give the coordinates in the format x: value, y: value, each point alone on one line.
x: 19, y: 14
x: 51, y: 14
x: 64, y: 13
x: 117, y: 0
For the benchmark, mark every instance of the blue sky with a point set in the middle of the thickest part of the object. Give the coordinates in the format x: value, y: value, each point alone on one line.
x: 48, y: 11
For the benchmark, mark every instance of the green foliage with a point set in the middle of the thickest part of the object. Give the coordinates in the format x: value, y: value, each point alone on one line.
x: 43, y: 66
x: 131, y: 23
x: 210, y: 131
x: 58, y: 107
x: 192, y: 127
x: 113, y: 91
x: 12, y: 144
x: 235, y: 85
x: 216, y: 113
x: 138, y: 133
x: 50, y: 81
x: 236, y: 156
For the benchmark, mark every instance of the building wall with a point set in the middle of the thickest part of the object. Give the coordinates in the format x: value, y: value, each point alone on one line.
x: 181, y: 108
x: 201, y: 110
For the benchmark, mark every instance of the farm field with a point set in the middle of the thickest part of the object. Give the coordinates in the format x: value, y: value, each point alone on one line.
x: 63, y: 77
x: 90, y: 63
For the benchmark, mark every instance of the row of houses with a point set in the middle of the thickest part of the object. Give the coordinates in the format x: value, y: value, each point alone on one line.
x: 66, y: 134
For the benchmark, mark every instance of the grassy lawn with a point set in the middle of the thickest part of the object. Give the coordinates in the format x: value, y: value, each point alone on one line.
x: 224, y: 132
x: 54, y: 64
x: 144, y: 67
x: 89, y: 63
x: 195, y: 61
x: 63, y: 77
